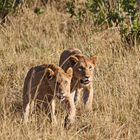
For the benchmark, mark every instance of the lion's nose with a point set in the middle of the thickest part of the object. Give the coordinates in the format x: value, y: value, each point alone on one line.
x: 86, y: 77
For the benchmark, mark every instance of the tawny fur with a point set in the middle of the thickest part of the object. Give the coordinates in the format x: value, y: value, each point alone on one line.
x: 82, y: 79
x: 42, y: 85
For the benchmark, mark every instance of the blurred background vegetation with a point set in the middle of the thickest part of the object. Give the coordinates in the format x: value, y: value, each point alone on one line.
x: 124, y: 14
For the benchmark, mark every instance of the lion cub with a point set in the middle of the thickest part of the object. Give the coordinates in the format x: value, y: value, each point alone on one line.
x: 83, y: 67
x: 42, y: 85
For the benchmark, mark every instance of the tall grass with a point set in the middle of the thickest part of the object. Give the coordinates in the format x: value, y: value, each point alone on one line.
x: 29, y: 39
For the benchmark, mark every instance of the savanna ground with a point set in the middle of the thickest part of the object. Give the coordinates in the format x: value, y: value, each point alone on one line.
x: 28, y: 39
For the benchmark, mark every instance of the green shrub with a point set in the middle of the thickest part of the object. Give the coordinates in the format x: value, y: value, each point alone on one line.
x: 122, y: 14
x: 8, y: 5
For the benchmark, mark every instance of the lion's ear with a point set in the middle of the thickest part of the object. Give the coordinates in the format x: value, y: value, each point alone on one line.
x: 73, y: 60
x: 70, y: 72
x: 93, y: 60
x: 49, y: 74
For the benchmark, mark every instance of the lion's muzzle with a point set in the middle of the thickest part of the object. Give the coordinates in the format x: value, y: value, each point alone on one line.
x: 85, y: 81
x: 60, y: 96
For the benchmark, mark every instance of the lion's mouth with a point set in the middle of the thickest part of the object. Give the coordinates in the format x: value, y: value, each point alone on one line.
x: 60, y: 97
x: 85, y: 81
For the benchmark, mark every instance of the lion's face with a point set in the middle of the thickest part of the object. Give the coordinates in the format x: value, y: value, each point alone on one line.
x: 60, y: 82
x: 83, y: 68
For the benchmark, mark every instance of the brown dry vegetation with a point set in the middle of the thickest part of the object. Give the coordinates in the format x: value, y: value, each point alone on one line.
x: 29, y: 39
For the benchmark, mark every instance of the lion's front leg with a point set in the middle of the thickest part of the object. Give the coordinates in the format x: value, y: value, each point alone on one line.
x: 53, y: 117
x: 26, y: 113
x: 71, y: 111
x: 88, y: 97
x: 77, y: 97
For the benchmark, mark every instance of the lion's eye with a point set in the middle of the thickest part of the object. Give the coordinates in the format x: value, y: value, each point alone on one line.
x: 90, y: 67
x: 50, y: 77
x: 80, y: 68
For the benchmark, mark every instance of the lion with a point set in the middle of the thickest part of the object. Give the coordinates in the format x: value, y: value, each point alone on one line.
x: 42, y: 85
x: 82, y: 79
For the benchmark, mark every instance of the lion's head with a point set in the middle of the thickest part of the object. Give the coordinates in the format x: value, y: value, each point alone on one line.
x: 59, y: 80
x: 82, y: 68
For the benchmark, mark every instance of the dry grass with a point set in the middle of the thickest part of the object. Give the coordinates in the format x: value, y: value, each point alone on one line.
x: 28, y: 40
